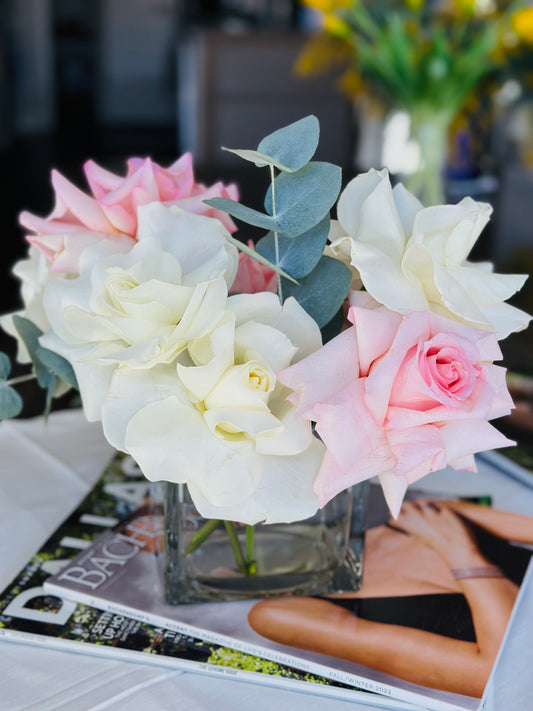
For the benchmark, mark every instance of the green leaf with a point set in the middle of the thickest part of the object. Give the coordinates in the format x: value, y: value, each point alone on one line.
x: 298, y: 255
x: 5, y: 366
x: 294, y: 145
x: 260, y: 159
x: 241, y: 212
x: 30, y: 334
x: 58, y: 365
x: 10, y: 401
x: 288, y: 149
x: 304, y: 198
x: 258, y: 257
x: 323, y: 291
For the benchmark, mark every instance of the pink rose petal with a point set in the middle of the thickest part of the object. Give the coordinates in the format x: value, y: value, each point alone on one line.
x: 111, y: 210
x: 424, y: 404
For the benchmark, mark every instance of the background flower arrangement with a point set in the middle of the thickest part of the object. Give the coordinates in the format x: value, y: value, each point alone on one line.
x: 126, y: 295
x: 423, y: 57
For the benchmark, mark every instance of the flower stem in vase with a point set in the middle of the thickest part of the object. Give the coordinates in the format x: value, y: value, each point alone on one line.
x: 236, y: 546
x: 202, y: 534
x: 251, y: 563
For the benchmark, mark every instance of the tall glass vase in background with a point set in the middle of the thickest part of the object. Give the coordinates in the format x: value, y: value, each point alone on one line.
x: 208, y: 560
x: 428, y: 134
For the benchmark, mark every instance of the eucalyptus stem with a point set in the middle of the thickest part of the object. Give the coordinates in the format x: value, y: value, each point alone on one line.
x: 276, y: 240
x: 21, y: 379
x: 250, y: 552
x: 237, y: 552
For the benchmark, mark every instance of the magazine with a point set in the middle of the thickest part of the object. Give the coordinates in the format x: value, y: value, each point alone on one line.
x: 408, y: 593
x: 30, y: 614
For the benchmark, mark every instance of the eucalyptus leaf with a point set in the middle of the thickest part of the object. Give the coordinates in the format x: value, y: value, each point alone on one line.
x: 258, y: 257
x: 288, y: 149
x: 5, y: 366
x: 323, y: 291
x: 294, y: 145
x: 260, y: 159
x: 304, y: 198
x: 30, y: 334
x: 10, y: 401
x: 58, y: 365
x: 298, y: 255
x: 241, y: 212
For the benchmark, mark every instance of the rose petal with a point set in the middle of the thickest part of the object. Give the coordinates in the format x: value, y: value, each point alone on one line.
x: 307, y: 379
x: 71, y: 200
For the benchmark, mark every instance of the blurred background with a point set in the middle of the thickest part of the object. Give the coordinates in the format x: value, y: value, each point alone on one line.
x: 109, y: 79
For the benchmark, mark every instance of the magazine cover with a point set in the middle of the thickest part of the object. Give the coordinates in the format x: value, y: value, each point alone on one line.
x: 29, y: 614
x: 413, y: 632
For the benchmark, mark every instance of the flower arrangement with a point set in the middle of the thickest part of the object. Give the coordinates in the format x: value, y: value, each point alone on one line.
x: 129, y: 295
x: 422, y: 57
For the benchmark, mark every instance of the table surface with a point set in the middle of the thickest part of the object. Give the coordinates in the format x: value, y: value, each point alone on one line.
x: 46, y: 470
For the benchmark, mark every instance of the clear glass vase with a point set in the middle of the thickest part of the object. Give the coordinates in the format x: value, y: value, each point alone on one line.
x: 323, y: 554
x: 428, y: 131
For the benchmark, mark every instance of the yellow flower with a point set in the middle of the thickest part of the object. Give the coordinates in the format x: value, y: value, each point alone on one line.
x: 414, y: 5
x: 351, y: 83
x: 336, y: 27
x: 522, y: 24
x: 326, y: 6
x: 464, y: 7
x: 320, y: 54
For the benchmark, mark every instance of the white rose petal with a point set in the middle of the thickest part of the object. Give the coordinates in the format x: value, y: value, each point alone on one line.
x: 246, y: 386
x: 366, y: 207
x: 215, y: 360
x: 168, y: 440
x: 92, y: 372
x: 290, y: 318
x: 412, y: 258
x: 286, y: 496
x: 257, y: 340
x: 223, y: 421
x: 198, y: 242
x: 131, y: 390
x: 34, y: 275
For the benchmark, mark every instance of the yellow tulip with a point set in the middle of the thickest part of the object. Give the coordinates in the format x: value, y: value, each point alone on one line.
x: 522, y: 24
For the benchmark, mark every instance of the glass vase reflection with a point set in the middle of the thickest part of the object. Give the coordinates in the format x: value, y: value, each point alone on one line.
x: 208, y: 560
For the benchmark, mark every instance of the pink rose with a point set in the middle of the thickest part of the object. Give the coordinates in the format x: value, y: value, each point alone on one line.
x: 79, y: 220
x: 252, y: 276
x: 398, y: 397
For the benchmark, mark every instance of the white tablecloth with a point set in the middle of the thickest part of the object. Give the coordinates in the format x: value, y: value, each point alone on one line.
x: 46, y: 469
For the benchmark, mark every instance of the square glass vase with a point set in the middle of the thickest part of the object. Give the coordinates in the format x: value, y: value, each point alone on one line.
x: 321, y: 555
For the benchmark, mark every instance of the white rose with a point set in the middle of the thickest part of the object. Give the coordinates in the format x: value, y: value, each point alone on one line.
x: 412, y: 258
x: 139, y: 309
x: 34, y: 274
x: 222, y: 423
